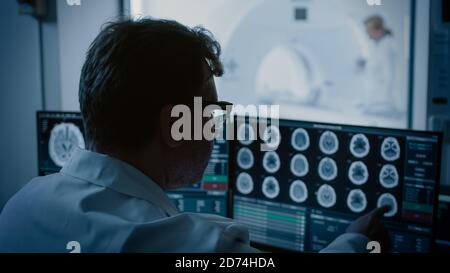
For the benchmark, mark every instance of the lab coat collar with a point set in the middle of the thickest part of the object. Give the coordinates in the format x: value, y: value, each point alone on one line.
x: 109, y: 172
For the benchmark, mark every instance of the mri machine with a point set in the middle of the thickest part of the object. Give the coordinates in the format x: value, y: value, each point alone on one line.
x: 285, y: 53
x: 299, y: 54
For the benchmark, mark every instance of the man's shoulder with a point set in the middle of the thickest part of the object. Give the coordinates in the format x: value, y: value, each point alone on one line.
x: 66, y: 209
x: 35, y: 184
x: 190, y: 232
x: 42, y: 185
x: 61, y: 191
x: 39, y: 194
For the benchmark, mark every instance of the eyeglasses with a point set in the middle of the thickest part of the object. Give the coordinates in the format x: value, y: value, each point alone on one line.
x: 223, y: 105
x: 220, y: 114
x: 214, y: 116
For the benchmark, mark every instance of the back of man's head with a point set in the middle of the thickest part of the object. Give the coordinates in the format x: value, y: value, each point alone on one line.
x: 133, y: 69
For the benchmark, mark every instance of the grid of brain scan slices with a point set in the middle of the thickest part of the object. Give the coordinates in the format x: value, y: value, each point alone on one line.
x: 315, y: 166
x: 335, y: 172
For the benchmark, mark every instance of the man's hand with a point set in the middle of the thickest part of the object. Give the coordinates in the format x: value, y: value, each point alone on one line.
x: 370, y: 225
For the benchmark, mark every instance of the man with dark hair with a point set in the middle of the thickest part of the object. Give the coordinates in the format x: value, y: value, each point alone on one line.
x: 110, y: 197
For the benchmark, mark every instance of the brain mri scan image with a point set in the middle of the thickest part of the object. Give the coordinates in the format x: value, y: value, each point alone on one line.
x: 300, y: 140
x: 390, y: 149
x: 389, y: 177
x: 270, y: 187
x: 64, y: 139
x: 388, y: 199
x: 299, y: 165
x: 244, y: 183
x: 358, y: 173
x: 328, y: 169
x: 357, y: 201
x: 298, y: 191
x: 245, y: 134
x: 272, y: 136
x: 359, y: 146
x: 329, y: 143
x: 271, y: 162
x: 245, y: 158
x: 326, y: 196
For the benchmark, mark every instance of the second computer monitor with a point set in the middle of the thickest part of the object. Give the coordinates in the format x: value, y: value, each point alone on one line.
x: 303, y: 194
x: 211, y: 194
x: 59, y: 134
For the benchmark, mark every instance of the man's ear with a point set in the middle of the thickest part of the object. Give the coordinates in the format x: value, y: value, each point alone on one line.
x: 166, y: 127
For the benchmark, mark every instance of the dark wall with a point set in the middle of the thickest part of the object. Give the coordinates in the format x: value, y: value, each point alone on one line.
x: 20, y: 97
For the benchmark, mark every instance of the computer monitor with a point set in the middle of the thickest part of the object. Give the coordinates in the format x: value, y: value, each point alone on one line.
x: 321, y: 177
x: 211, y: 194
x: 59, y: 133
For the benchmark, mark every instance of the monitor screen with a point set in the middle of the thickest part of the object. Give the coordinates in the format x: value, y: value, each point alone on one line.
x: 59, y: 133
x: 211, y: 194
x: 321, y: 60
x: 321, y: 177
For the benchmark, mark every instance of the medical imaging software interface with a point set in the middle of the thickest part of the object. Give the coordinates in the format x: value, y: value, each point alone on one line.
x: 59, y: 134
x: 211, y: 194
x: 303, y: 193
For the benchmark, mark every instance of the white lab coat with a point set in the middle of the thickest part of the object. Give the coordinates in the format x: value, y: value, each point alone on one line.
x: 107, y: 205
x: 380, y: 75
